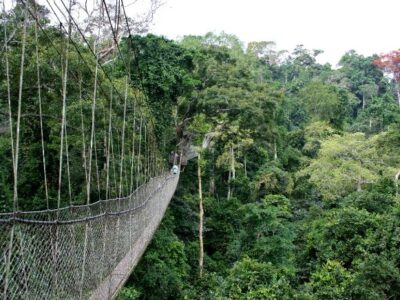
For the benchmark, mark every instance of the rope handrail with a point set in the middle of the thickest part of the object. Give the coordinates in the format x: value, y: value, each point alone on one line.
x: 47, y: 258
x: 9, y: 218
x: 71, y: 251
x: 20, y: 212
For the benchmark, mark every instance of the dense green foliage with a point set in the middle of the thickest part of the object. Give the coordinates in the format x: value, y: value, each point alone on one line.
x: 298, y: 160
x: 46, y: 53
x: 300, y: 198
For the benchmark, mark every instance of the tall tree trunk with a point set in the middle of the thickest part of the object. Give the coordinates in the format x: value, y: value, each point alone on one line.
x: 359, y: 184
x: 229, y: 184
x: 232, y: 172
x: 233, y: 163
x: 275, y: 150
x: 397, y: 92
x: 245, y: 166
x: 211, y: 188
x: 396, y: 182
x: 201, y: 218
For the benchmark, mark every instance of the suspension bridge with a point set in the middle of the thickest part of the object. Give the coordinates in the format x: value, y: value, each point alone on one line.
x: 83, y: 184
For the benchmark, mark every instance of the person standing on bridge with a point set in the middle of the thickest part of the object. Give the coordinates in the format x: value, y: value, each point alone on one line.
x: 175, y: 170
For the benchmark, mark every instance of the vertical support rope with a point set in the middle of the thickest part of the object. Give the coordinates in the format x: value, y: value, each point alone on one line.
x: 92, y: 126
x: 8, y: 253
x: 97, y: 169
x: 109, y: 147
x: 16, y: 153
x: 68, y: 171
x: 64, y: 110
x: 133, y: 144
x: 114, y: 166
x: 83, y: 130
x: 8, y: 257
x: 109, y: 142
x: 123, y: 139
x: 139, y: 151
x: 63, y: 126
x: 92, y: 142
x: 8, y: 88
x: 21, y: 82
x: 40, y: 109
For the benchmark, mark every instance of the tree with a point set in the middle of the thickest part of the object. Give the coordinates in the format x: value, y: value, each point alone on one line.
x: 331, y: 282
x: 265, y: 232
x: 390, y: 63
x: 340, y: 234
x: 344, y: 164
x: 322, y: 103
x: 251, y: 279
x: 379, y: 114
x: 271, y: 179
x: 388, y: 143
x: 162, y: 69
x: 368, y: 91
x: 359, y: 76
x: 95, y: 22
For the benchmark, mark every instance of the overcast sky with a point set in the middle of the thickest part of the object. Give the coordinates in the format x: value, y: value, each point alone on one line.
x: 335, y: 26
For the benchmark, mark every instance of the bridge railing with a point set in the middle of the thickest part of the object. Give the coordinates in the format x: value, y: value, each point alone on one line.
x: 80, y: 252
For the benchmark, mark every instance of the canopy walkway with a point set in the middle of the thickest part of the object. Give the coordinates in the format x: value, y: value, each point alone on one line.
x: 80, y: 252
x: 75, y: 127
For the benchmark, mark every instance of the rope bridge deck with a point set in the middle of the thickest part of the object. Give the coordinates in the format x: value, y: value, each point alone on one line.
x: 80, y: 252
x: 80, y: 127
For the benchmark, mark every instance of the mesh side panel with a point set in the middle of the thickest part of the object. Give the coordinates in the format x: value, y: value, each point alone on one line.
x: 88, y: 256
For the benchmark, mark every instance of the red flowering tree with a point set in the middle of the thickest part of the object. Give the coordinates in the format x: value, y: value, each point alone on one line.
x: 390, y: 63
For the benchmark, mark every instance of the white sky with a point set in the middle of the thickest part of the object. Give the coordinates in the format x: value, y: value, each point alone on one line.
x: 335, y: 26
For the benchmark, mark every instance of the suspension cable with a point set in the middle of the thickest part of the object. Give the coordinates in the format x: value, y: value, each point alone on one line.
x: 89, y: 47
x: 123, y: 138
x: 15, y: 197
x: 139, y: 151
x: 68, y: 170
x: 40, y: 110
x: 93, y: 124
x: 9, y: 91
x: 131, y: 48
x: 97, y: 168
x: 112, y: 29
x: 109, y: 146
x: 83, y: 130
x: 133, y: 144
x: 64, y: 112
x: 143, y: 163
x: 21, y: 81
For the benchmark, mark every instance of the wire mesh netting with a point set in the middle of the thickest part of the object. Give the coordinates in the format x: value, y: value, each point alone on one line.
x: 75, y: 127
x: 83, y: 251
